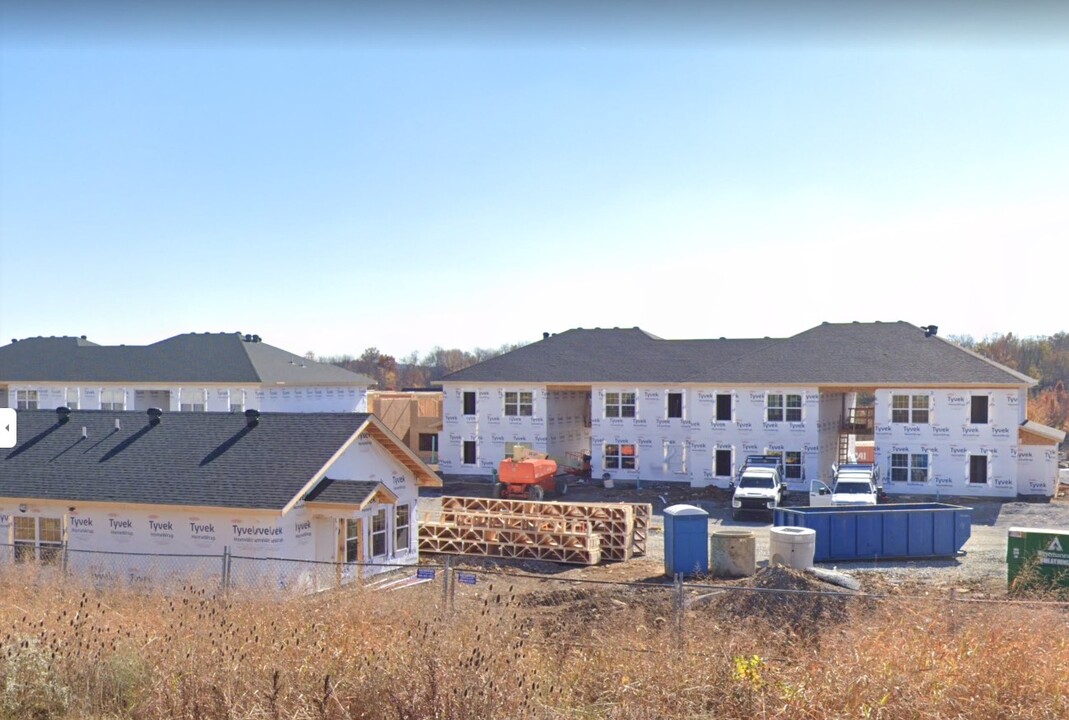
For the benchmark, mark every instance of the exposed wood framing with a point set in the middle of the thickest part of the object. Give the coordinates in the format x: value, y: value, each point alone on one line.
x: 561, y: 532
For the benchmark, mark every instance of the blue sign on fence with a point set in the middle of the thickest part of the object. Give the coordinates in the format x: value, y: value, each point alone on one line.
x: 466, y: 578
x: 424, y: 573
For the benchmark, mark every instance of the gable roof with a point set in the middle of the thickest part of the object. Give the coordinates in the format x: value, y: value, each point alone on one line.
x: 187, y: 358
x: 197, y: 459
x: 605, y: 355
x: 849, y: 354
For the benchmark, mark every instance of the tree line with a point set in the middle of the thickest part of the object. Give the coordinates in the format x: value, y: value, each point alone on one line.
x: 413, y: 370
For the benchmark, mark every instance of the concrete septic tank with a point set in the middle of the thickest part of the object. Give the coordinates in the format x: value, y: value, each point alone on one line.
x: 733, y: 553
x: 686, y: 540
x: 793, y: 547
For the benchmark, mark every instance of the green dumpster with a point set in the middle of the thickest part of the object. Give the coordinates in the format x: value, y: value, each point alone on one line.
x: 1038, y: 556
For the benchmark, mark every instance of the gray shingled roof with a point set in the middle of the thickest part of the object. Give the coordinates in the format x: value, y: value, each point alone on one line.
x: 606, y: 355
x: 203, y: 459
x: 342, y: 492
x: 188, y: 358
x: 865, y: 354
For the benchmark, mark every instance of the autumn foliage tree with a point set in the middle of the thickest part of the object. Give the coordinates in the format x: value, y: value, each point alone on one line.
x: 413, y: 371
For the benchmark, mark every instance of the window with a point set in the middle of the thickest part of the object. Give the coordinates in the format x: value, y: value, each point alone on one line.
x: 776, y: 412
x: 469, y: 402
x: 722, y: 463
x: 794, y: 408
x: 469, y: 452
x: 237, y: 401
x: 775, y: 407
x: 38, y: 539
x: 352, y: 541
x: 428, y: 443
x: 378, y: 533
x: 979, y: 410
x: 909, y: 409
x: 619, y: 457
x: 909, y: 467
x: 723, y: 408
x: 978, y: 469
x: 619, y: 405
x: 192, y: 400
x: 675, y: 405
x: 792, y: 465
x: 72, y: 397
x: 519, y: 403
x: 401, y: 524
x: 25, y: 399
x: 112, y: 399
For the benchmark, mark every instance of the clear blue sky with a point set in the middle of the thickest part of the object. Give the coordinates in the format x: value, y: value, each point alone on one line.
x: 474, y: 174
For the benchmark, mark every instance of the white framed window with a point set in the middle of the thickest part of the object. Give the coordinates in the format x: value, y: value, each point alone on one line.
x: 911, y: 409
x: 781, y: 407
x: 909, y: 467
x: 620, y: 457
x: 25, y: 399
x: 38, y: 539
x: 675, y: 405
x: 193, y: 399
x: 402, y: 523
x: 72, y: 398
x: 352, y: 541
x: 112, y: 399
x: 378, y: 533
x: 620, y: 404
x: 237, y: 400
x: 519, y: 403
x: 792, y: 465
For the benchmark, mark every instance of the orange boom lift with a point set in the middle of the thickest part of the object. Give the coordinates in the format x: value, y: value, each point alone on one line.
x: 530, y: 476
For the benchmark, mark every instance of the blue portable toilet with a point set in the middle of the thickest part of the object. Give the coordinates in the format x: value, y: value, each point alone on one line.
x: 686, y: 540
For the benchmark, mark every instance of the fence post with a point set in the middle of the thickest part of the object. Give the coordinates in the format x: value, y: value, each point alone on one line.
x: 447, y: 574
x: 63, y: 563
x: 680, y: 608
x: 226, y: 569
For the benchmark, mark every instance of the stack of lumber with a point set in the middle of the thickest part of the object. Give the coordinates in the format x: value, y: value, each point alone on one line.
x: 583, y: 533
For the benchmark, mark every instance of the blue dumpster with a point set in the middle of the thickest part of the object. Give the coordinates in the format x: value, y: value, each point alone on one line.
x: 686, y: 540
x: 904, y: 530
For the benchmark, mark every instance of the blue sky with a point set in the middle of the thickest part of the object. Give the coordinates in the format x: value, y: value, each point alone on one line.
x: 341, y: 178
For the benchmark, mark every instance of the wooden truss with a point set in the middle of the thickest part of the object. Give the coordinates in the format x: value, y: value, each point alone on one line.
x: 583, y: 533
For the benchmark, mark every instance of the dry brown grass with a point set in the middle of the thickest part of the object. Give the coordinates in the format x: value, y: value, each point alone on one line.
x: 69, y: 652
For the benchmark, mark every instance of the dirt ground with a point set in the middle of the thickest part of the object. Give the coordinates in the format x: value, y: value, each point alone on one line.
x: 979, y: 571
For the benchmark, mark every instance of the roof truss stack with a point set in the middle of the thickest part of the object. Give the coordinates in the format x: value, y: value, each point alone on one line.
x: 583, y: 533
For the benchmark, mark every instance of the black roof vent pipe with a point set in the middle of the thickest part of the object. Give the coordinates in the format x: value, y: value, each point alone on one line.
x: 64, y: 414
x: 930, y: 330
x: 252, y: 418
x: 154, y: 415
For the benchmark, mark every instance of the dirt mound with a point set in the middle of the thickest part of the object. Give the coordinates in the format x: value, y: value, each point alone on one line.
x: 801, y: 603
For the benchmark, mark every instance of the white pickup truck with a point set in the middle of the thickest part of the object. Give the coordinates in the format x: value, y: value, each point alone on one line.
x: 852, y: 484
x: 760, y: 487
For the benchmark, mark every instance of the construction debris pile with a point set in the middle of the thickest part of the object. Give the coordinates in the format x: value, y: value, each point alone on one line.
x: 579, y: 533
